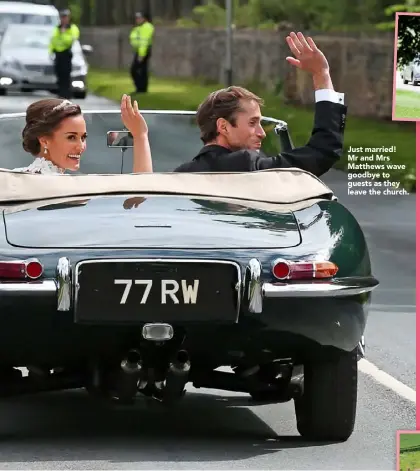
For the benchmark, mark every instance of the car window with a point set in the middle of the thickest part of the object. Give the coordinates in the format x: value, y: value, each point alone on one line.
x: 23, y: 18
x: 38, y: 39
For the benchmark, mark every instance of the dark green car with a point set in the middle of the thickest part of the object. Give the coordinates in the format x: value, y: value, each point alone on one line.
x: 138, y: 284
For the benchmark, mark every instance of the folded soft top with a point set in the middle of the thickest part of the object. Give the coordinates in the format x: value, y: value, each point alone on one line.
x: 279, y: 186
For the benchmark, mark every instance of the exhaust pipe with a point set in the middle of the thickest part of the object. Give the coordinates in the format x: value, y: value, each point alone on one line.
x: 177, y: 378
x: 132, y: 363
x: 126, y: 379
x: 181, y: 365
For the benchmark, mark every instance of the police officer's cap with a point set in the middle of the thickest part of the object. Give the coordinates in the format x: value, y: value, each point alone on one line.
x: 65, y: 12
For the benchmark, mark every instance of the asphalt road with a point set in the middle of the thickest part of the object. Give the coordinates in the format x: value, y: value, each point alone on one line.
x: 216, y: 430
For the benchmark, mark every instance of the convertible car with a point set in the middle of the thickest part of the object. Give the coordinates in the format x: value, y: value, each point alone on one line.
x: 132, y: 286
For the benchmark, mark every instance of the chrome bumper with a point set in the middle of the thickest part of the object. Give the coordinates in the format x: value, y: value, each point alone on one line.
x: 333, y: 288
x: 30, y: 288
x: 255, y: 290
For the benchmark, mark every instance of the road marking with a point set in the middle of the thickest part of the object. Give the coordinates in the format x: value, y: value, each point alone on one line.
x: 387, y: 380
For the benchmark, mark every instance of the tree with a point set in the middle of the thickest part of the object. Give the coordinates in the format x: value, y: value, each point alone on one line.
x: 408, y: 38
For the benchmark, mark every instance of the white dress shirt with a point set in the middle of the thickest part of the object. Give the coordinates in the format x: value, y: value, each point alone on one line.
x: 329, y: 95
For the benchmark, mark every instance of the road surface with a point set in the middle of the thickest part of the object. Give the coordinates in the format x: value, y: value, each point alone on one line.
x: 218, y: 430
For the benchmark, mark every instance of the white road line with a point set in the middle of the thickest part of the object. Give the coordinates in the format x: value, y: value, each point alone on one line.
x: 387, y: 380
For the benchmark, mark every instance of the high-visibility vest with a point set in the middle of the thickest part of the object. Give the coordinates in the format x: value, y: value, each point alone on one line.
x: 63, y: 40
x: 141, y: 38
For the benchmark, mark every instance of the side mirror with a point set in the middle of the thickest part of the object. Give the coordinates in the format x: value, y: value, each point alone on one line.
x: 119, y: 139
x: 87, y: 49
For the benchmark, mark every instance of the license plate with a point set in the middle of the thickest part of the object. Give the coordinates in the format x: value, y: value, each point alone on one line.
x: 43, y: 79
x: 137, y: 291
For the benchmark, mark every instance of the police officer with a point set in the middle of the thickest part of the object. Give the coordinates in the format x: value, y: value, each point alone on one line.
x: 61, y: 47
x: 141, y: 38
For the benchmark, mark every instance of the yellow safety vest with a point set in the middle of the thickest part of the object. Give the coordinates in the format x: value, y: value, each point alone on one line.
x: 141, y: 38
x: 63, y: 40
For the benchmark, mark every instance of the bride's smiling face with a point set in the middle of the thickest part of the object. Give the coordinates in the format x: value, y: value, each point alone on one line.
x: 66, y: 143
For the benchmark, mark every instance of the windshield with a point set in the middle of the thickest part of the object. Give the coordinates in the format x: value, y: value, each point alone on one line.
x: 38, y: 39
x: 34, y: 39
x: 19, y: 18
x: 174, y: 139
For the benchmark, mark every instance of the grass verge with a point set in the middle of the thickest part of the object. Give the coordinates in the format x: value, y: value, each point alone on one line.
x: 187, y: 94
x: 410, y: 461
x: 407, y: 104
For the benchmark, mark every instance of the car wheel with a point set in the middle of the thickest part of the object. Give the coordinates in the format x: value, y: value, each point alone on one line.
x: 327, y: 408
x: 3, y: 91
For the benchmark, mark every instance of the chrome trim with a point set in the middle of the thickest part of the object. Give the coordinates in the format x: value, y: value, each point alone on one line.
x: 333, y: 288
x: 238, y: 283
x: 253, y: 286
x: 33, y: 260
x: 147, y: 331
x: 64, y: 284
x: 281, y: 126
x: 275, y: 262
x: 28, y: 287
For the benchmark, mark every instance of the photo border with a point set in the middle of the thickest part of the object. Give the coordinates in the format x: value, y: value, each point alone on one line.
x: 394, y: 83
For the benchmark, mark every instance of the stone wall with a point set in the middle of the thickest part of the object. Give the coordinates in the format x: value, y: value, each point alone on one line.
x: 361, y: 65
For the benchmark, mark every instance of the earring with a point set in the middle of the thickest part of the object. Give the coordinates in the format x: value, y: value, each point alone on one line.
x: 45, y: 150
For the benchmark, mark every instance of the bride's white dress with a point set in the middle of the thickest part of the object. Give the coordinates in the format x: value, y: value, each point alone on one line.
x: 41, y: 165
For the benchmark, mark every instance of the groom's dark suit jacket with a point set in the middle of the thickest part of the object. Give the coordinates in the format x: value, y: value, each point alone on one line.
x: 323, y: 149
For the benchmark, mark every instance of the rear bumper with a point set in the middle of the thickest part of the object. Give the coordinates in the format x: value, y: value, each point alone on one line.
x: 287, y: 321
x: 325, y: 289
x: 334, y: 288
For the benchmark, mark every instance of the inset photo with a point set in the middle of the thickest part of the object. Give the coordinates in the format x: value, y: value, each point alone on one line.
x: 408, y: 450
x: 406, y: 97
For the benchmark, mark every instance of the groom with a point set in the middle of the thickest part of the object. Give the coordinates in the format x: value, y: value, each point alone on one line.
x: 230, y: 124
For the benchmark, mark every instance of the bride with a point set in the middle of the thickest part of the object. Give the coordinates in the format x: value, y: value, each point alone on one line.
x: 55, y: 134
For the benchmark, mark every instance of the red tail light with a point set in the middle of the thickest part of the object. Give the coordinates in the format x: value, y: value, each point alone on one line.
x: 20, y: 269
x: 287, y: 270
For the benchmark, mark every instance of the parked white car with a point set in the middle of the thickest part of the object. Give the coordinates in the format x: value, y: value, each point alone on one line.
x: 411, y: 71
x: 27, y: 13
x: 26, y: 65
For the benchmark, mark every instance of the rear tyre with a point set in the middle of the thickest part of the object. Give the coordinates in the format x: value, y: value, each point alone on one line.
x: 327, y: 409
x: 3, y: 91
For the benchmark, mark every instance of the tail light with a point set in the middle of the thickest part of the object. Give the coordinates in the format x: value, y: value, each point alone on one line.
x: 21, y: 269
x: 288, y: 270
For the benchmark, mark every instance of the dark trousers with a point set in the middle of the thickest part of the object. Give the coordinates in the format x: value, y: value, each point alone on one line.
x: 62, y: 66
x: 140, y: 73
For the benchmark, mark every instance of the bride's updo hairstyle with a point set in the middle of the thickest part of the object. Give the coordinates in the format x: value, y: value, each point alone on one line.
x: 42, y: 118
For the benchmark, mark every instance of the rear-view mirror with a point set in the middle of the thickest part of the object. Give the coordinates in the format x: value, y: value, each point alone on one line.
x: 120, y: 139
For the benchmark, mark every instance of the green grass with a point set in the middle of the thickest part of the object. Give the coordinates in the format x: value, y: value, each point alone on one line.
x: 409, y: 440
x: 410, y: 460
x: 407, y: 104
x: 187, y: 94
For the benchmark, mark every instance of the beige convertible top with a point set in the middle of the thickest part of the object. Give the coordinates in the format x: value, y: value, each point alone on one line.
x: 279, y: 186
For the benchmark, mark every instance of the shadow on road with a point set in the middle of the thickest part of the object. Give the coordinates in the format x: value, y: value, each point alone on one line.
x: 71, y: 426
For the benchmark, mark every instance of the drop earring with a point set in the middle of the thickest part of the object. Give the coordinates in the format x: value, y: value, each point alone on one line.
x: 45, y: 150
